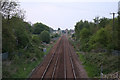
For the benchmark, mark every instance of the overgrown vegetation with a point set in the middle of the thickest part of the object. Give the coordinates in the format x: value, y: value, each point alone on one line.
x: 21, y: 66
x: 97, y: 34
x: 96, y: 43
x: 22, y: 42
x: 94, y: 62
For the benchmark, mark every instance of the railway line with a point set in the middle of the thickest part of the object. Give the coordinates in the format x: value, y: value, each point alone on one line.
x: 59, y: 63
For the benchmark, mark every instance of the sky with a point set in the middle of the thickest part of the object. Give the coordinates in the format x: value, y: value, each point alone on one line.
x: 65, y: 13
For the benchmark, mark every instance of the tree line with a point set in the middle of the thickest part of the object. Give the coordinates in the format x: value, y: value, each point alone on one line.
x: 18, y: 34
x: 99, y: 34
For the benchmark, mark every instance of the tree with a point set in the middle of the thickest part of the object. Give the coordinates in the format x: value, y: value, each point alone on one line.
x: 100, y: 39
x: 84, y: 38
x: 21, y: 31
x: 84, y: 33
x: 8, y: 37
x: 39, y: 27
x: 11, y: 8
x: 45, y: 36
x: 103, y: 22
x: 15, y: 35
x: 79, y: 26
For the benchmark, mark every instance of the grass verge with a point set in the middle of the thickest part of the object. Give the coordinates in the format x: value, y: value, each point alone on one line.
x: 91, y: 69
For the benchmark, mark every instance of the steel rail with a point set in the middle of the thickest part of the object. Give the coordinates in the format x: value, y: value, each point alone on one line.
x: 71, y: 60
x: 55, y: 66
x: 34, y: 70
x: 57, y: 63
x: 49, y: 63
x: 65, y: 73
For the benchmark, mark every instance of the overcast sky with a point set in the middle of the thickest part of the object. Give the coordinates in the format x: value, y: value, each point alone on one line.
x: 65, y: 13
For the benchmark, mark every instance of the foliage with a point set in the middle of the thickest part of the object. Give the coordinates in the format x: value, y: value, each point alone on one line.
x: 100, y: 39
x: 118, y: 29
x: 84, y: 38
x: 93, y: 61
x: 36, y: 39
x: 103, y: 22
x: 100, y: 34
x: 11, y: 8
x: 84, y: 33
x: 8, y: 37
x: 39, y: 27
x: 79, y: 26
x: 20, y: 31
x: 24, y: 48
x: 103, y: 59
x: 92, y: 69
x: 21, y: 66
x: 45, y: 36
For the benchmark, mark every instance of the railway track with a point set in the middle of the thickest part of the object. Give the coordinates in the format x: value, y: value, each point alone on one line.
x: 52, y: 69
x: 71, y: 60
x: 59, y: 65
x: 70, y: 66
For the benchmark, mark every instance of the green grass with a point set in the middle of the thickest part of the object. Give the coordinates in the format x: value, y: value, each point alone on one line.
x: 21, y: 73
x: 91, y: 69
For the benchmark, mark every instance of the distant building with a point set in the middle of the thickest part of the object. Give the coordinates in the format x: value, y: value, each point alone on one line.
x: 57, y: 31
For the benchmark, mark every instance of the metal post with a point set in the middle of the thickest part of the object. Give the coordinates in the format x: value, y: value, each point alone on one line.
x: 113, y: 27
x: 101, y: 72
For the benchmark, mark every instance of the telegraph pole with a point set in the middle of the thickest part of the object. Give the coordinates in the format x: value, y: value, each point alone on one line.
x: 113, y: 19
x: 118, y: 25
x: 113, y: 32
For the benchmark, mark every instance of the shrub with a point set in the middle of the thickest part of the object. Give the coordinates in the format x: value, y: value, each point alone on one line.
x: 36, y: 39
x: 45, y: 36
x: 84, y: 38
x: 99, y: 40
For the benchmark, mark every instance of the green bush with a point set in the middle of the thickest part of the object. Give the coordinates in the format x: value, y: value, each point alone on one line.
x: 109, y: 62
x: 36, y: 39
x: 99, y: 40
x: 45, y: 36
x: 84, y: 38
